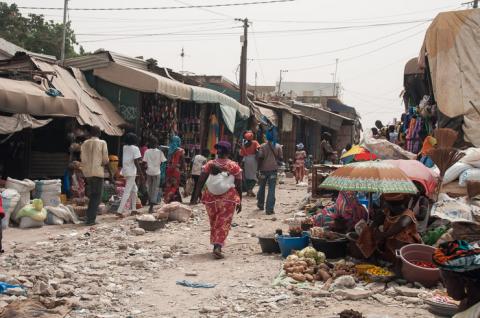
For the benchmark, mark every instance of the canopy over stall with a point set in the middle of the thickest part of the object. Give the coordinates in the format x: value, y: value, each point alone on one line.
x: 93, y: 109
x: 25, y: 97
x: 452, y: 46
x: 143, y: 81
x: 228, y: 105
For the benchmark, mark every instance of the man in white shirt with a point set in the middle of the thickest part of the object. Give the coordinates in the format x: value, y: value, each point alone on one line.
x: 198, y: 162
x: 130, y: 167
x: 153, y: 157
x: 94, y: 156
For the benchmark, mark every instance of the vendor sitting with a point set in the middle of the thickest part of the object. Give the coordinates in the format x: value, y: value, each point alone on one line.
x: 399, y: 229
x: 343, y: 215
x: 459, y: 264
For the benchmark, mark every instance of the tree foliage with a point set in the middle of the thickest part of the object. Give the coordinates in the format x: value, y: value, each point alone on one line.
x: 34, y: 33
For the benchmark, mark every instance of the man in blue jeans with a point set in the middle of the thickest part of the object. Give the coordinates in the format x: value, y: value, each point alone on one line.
x: 270, y: 156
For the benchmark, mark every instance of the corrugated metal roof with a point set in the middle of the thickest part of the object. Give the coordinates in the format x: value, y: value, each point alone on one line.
x: 8, y: 49
x: 89, y: 62
x: 102, y: 59
x: 128, y: 61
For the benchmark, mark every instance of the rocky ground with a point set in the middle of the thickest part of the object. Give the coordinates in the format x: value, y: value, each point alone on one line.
x: 114, y: 270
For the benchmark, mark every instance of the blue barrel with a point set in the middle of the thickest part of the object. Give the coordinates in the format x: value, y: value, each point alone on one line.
x: 288, y: 243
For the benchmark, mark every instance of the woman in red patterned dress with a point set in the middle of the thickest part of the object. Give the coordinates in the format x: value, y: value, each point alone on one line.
x: 220, y: 208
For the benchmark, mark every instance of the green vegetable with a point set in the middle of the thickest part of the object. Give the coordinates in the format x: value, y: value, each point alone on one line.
x: 309, y: 252
x: 320, y: 258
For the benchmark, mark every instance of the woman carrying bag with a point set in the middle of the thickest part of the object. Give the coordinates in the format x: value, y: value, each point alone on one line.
x: 222, y: 195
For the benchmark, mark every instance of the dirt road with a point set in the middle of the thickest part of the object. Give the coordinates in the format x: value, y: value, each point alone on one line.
x: 108, y: 271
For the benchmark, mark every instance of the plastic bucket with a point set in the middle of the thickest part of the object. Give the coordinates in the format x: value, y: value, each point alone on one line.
x: 288, y: 244
x: 428, y: 277
x: 269, y: 245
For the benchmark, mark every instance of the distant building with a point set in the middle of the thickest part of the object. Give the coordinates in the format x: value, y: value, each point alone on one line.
x: 308, y: 92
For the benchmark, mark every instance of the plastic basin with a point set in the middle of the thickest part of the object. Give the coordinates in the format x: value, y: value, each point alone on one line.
x: 428, y: 277
x: 268, y: 245
x: 332, y: 249
x: 288, y: 244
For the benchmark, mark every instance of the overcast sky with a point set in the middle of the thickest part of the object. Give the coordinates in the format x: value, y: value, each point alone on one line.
x: 372, y: 39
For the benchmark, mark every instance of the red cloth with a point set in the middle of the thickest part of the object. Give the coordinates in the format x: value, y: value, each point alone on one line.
x: 2, y: 213
x: 173, y: 177
x: 221, y: 208
x: 250, y: 150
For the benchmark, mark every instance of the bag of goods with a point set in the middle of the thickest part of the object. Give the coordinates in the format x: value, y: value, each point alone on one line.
x: 220, y: 183
x: 455, y: 171
x: 24, y: 187
x: 469, y: 175
x: 35, y: 212
x: 60, y: 215
x: 175, y: 211
x: 10, y: 199
x: 49, y: 191
x: 472, y: 157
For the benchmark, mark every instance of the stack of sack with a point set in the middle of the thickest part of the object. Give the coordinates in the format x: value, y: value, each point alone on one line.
x: 23, y: 187
x: 49, y: 192
x: 10, y: 199
x: 467, y: 169
x: 32, y: 215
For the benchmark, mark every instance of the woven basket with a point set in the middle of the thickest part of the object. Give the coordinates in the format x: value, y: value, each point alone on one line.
x: 80, y: 211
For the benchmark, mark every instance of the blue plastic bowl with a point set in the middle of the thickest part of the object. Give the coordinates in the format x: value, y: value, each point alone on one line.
x: 288, y: 244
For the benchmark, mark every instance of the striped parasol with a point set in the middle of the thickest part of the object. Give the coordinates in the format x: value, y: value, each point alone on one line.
x: 369, y: 176
x: 357, y: 153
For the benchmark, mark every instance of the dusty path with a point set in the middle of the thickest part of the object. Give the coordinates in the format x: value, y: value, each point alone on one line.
x: 112, y: 273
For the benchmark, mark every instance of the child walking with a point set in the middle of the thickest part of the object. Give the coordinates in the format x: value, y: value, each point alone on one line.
x: 153, y: 157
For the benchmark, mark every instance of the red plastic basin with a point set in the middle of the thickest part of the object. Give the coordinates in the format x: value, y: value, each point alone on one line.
x: 428, y: 277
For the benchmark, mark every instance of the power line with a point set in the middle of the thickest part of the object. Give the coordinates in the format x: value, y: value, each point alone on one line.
x: 287, y: 31
x: 206, y: 10
x: 163, y: 7
x: 258, y: 54
x: 341, y: 49
x: 360, y: 55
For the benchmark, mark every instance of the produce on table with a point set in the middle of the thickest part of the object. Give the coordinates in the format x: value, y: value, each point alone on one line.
x: 423, y: 264
x: 379, y: 271
x: 321, y: 233
x: 295, y: 231
x: 309, y: 265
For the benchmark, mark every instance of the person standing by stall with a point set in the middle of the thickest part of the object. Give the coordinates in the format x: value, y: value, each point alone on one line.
x: 327, y: 153
x: 130, y: 168
x: 153, y: 157
x: 94, y: 157
x: 175, y: 167
x: 221, y: 206
x: 459, y: 264
x: 249, y: 151
x: 300, y: 156
x: 270, y: 157
x: 198, y: 162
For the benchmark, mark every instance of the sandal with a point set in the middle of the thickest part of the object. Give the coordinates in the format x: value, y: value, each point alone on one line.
x: 217, y: 252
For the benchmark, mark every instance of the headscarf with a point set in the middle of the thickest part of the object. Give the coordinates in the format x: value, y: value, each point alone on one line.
x: 300, y: 146
x: 174, y: 144
x: 223, y: 147
x: 248, y: 135
x: 271, y: 135
x: 457, y: 256
x: 428, y: 144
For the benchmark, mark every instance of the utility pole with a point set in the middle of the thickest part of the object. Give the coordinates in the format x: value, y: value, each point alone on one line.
x: 243, y: 62
x: 280, y: 81
x: 335, y: 78
x: 182, y: 55
x: 65, y: 9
